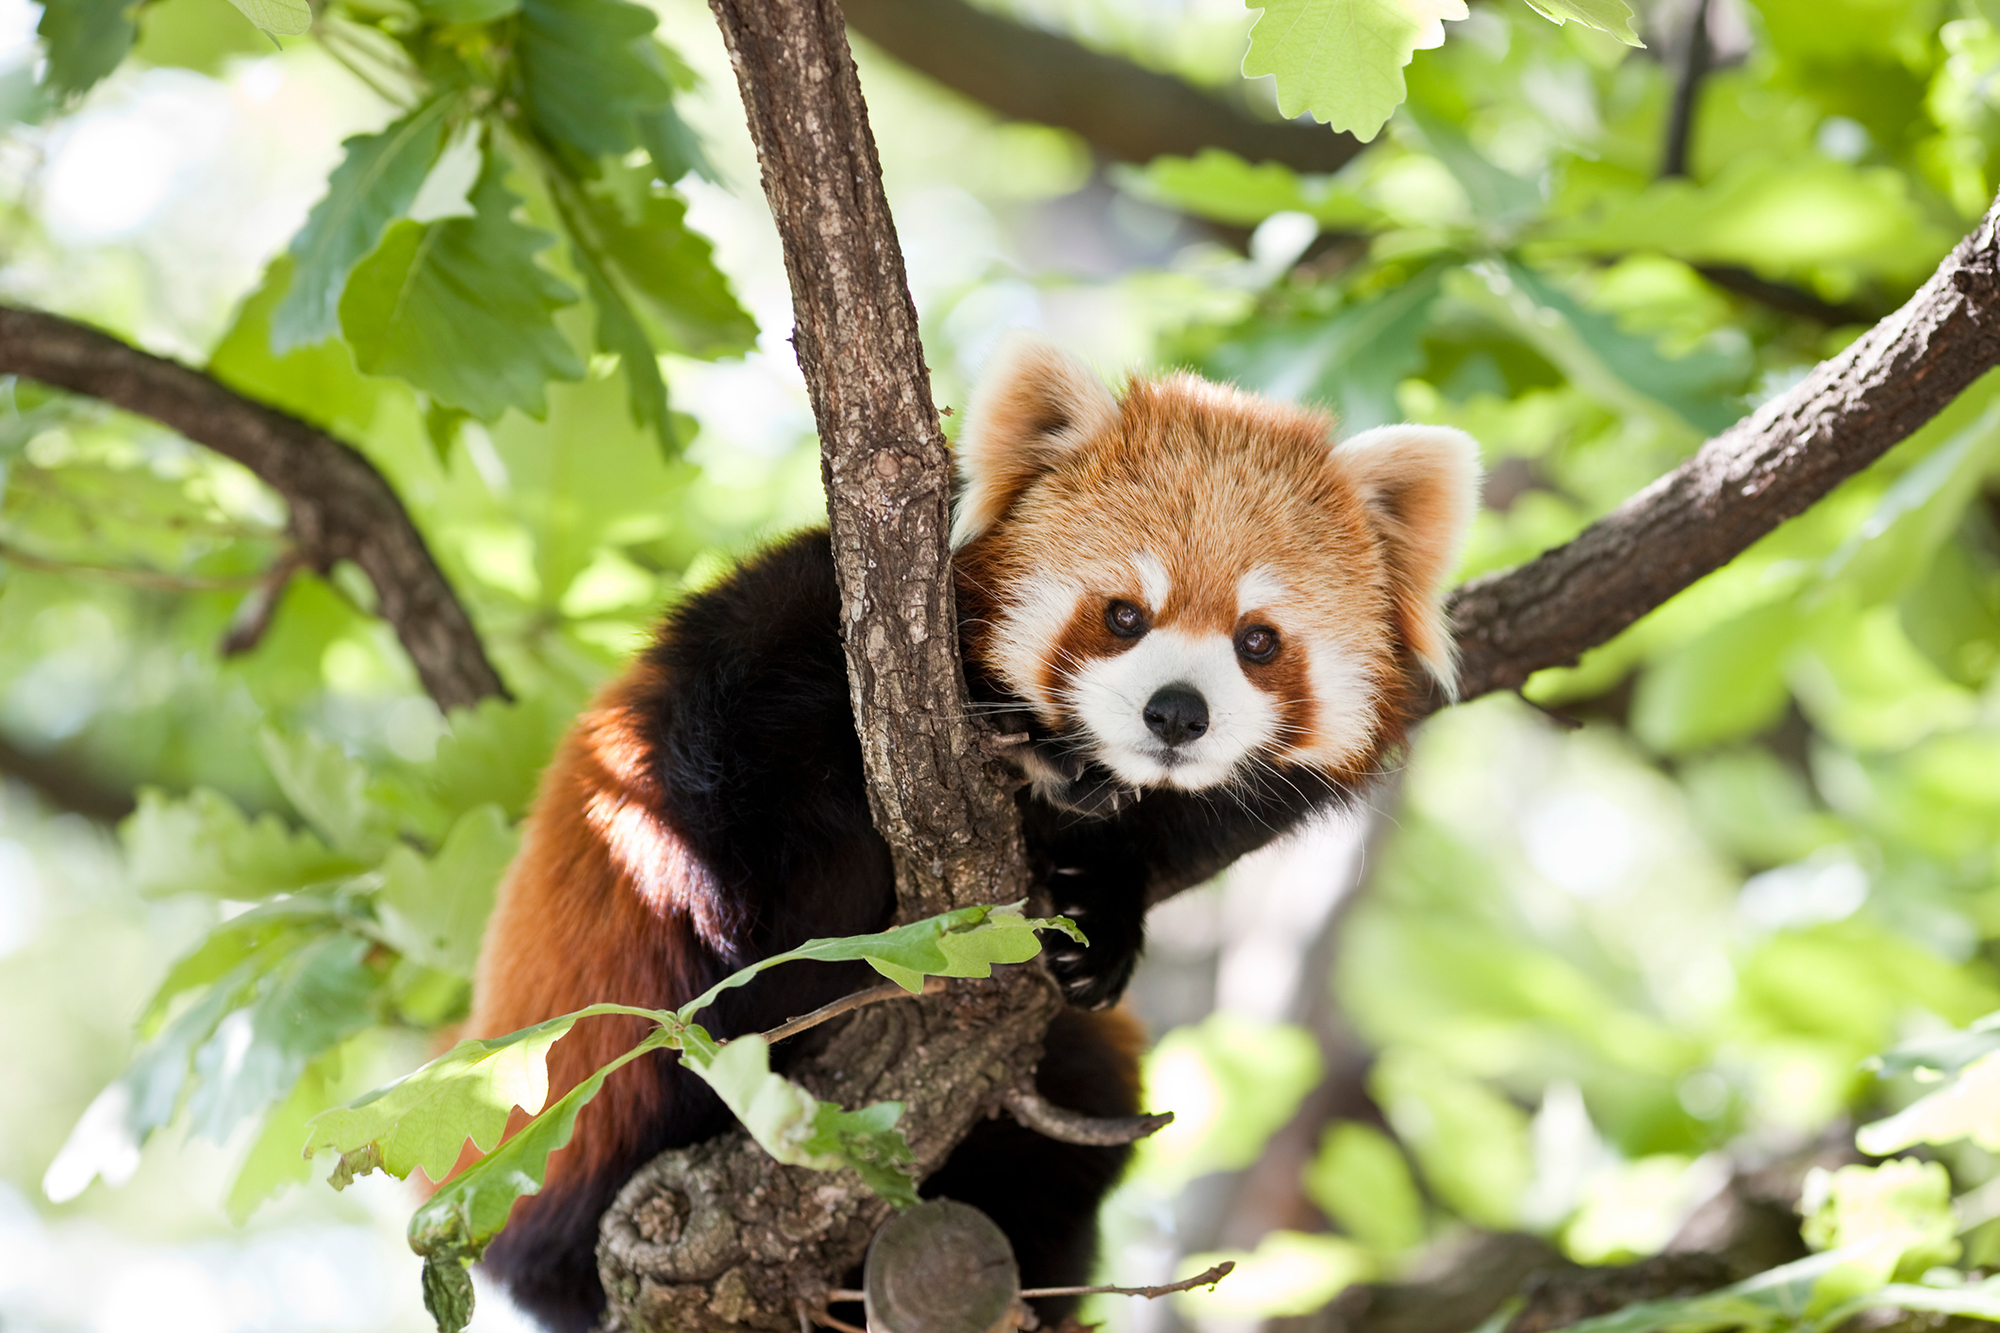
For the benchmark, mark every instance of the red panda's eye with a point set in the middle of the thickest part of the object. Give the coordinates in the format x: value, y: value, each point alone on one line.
x: 1258, y: 643
x: 1125, y: 620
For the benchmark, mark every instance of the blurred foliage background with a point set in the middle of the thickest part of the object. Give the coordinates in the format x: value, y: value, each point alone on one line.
x: 1595, y: 948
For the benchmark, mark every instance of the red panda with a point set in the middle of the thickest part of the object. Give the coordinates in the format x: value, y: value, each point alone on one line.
x: 1210, y: 620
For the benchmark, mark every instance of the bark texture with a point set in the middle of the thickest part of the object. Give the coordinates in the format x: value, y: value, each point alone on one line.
x: 883, y: 457
x: 341, y: 508
x: 719, y: 1236
x: 1768, y: 467
x: 1124, y: 110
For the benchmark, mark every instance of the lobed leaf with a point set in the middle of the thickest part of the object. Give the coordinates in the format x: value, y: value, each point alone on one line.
x: 454, y: 1225
x: 85, y: 40
x: 280, y: 18
x: 1342, y: 60
x: 587, y: 71
x: 1612, y: 16
x: 435, y: 910
x: 459, y: 308
x: 205, y: 844
x: 423, y: 1121
x: 329, y: 787
x: 1968, y: 1107
x: 372, y: 187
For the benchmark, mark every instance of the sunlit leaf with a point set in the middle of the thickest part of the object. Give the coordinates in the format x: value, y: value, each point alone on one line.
x: 329, y: 787
x: 1342, y: 60
x: 204, y: 844
x: 282, y: 18
x: 1968, y: 1107
x: 1612, y: 16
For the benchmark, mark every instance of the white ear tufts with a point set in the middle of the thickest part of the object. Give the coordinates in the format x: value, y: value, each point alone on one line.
x: 1421, y: 486
x: 1034, y: 402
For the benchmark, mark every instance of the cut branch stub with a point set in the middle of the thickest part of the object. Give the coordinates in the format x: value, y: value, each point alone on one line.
x: 942, y: 1267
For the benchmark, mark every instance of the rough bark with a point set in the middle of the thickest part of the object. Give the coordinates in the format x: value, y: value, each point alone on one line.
x: 341, y: 507
x: 883, y: 457
x: 1768, y: 467
x: 719, y: 1236
x: 1124, y: 110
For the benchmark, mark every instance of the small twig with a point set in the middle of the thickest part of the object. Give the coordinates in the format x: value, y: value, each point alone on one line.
x: 1208, y: 1279
x: 792, y: 1027
x: 136, y: 578
x: 1045, y: 1117
x: 1695, y: 56
x: 253, y: 614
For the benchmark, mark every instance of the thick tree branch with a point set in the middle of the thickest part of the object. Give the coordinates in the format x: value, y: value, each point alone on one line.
x: 341, y: 508
x: 1125, y: 110
x: 1768, y: 467
x: 882, y: 454
x: 65, y: 785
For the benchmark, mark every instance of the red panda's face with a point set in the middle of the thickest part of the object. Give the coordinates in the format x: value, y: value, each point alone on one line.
x: 1193, y: 584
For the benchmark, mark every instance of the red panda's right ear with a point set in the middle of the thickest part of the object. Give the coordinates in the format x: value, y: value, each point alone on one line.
x: 1034, y: 403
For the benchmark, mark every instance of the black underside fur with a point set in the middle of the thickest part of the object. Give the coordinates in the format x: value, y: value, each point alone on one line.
x: 754, y: 743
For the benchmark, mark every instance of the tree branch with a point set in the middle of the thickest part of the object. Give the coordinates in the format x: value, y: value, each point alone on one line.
x: 718, y: 1235
x: 65, y: 785
x: 1768, y: 467
x: 1125, y: 110
x: 341, y: 508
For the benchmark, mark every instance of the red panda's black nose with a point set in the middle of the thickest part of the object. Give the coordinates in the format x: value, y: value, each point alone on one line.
x: 1177, y: 714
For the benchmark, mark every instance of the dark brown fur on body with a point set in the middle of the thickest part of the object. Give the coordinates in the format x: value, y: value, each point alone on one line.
x: 711, y: 808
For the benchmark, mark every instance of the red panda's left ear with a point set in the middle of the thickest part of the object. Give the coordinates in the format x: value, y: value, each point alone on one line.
x: 1421, y: 485
x: 1033, y: 403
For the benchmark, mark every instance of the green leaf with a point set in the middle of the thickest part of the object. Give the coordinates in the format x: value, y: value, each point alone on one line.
x: 1501, y: 201
x: 587, y: 70
x: 314, y: 999
x: 1342, y: 60
x: 460, y: 309
x: 281, y: 18
x: 1621, y: 370
x: 435, y: 911
x: 671, y: 270
x: 1945, y: 1054
x: 468, y: 11
x: 494, y: 754
x: 674, y: 146
x: 270, y: 930
x: 86, y: 40
x: 455, y: 1224
x: 372, y: 187
x: 204, y: 844
x: 909, y: 953
x: 273, y: 1163
x: 1612, y: 16
x: 1968, y: 1107
x: 1352, y: 359
x: 1899, y: 1213
x: 329, y: 787
x: 800, y: 1130
x: 620, y: 334
x: 1361, y: 1180
x: 1218, y: 184
x: 422, y: 1121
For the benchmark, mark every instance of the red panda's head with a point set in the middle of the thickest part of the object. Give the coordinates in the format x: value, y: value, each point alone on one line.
x: 1191, y: 582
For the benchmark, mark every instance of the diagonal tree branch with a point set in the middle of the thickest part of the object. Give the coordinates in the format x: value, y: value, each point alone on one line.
x: 1124, y: 110
x: 1768, y: 467
x: 341, y: 507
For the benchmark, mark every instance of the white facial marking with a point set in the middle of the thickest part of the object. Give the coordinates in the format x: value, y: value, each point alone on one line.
x: 1259, y: 587
x: 1109, y: 696
x: 1344, y: 717
x: 1153, y: 580
x: 1031, y: 625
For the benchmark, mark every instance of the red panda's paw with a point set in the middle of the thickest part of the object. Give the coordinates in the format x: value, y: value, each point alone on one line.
x: 1094, y: 977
